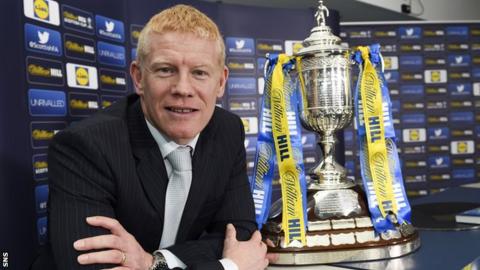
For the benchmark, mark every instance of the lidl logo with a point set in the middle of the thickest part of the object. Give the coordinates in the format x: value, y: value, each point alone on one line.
x: 46, y: 102
x: 462, y: 147
x: 77, y: 19
x: 46, y: 11
x: 109, y: 54
x: 292, y: 47
x: 435, y: 76
x: 81, y: 76
x: 110, y: 28
x: 250, y: 125
x: 42, y: 40
x: 240, y: 46
x: 390, y: 62
x: 414, y: 135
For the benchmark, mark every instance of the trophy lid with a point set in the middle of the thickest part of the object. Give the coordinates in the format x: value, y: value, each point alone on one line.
x: 321, y: 38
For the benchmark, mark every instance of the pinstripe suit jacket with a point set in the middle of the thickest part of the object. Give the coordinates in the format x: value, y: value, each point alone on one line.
x: 110, y: 165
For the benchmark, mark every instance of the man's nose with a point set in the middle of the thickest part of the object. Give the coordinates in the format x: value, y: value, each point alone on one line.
x: 183, y: 85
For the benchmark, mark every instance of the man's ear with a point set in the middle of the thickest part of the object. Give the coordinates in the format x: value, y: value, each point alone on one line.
x: 136, y: 75
x: 223, y: 82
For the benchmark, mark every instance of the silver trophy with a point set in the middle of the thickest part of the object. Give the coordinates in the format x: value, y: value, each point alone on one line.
x: 339, y: 227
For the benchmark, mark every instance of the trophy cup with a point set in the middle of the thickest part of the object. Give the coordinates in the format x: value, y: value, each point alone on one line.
x: 339, y: 226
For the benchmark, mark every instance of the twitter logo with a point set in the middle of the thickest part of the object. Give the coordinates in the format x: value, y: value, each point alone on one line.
x: 109, y: 25
x: 43, y: 37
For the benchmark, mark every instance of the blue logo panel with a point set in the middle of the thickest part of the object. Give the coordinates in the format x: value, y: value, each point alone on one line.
x: 42, y: 230
x: 41, y: 198
x: 110, y: 28
x: 109, y: 54
x: 411, y: 61
x: 409, y: 90
x: 241, y: 86
x: 460, y: 89
x: 240, y: 46
x: 408, y: 33
x: 457, y: 32
x: 244, y: 66
x: 462, y: 117
x: 46, y: 102
x: 42, y: 40
x: 459, y: 60
x: 438, y: 133
x: 439, y: 162
x: 413, y: 118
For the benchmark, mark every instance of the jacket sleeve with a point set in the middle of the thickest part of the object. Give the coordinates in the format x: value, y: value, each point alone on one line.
x: 80, y: 185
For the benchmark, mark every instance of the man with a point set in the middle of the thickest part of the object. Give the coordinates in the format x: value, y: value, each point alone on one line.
x: 118, y: 197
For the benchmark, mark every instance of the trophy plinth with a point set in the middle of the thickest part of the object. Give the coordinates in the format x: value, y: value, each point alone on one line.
x: 337, y: 234
x: 339, y: 226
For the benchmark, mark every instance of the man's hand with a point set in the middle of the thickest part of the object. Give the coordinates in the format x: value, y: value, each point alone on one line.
x: 121, y: 248
x: 247, y: 255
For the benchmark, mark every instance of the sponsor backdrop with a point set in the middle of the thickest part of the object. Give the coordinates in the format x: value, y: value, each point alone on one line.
x: 65, y: 60
x: 433, y: 72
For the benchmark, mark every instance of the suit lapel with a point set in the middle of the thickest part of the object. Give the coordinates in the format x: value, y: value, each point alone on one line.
x: 150, y: 165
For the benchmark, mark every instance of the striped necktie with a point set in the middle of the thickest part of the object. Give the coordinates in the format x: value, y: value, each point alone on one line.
x: 178, y: 187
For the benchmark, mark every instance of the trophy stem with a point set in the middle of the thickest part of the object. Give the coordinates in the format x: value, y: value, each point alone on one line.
x: 328, y: 174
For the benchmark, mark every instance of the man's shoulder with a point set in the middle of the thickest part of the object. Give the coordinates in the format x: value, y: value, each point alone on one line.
x: 225, y: 118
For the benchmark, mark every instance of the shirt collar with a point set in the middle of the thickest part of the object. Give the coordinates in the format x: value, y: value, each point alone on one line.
x: 166, y: 144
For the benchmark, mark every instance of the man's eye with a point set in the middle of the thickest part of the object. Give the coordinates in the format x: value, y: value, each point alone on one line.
x: 164, y: 71
x: 200, y: 73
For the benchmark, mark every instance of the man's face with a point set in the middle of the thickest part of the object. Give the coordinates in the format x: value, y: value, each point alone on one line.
x: 179, y: 83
